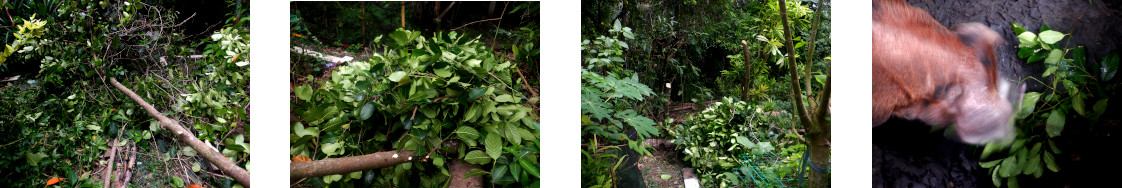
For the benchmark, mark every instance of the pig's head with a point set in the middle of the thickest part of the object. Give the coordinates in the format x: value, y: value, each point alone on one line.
x: 927, y: 72
x: 987, y: 107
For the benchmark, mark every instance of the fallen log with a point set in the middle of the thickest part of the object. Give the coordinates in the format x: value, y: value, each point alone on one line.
x: 208, y: 152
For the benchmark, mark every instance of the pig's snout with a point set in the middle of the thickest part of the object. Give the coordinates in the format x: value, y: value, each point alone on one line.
x: 982, y: 122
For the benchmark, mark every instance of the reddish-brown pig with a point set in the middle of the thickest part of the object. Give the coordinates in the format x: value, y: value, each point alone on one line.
x: 924, y: 71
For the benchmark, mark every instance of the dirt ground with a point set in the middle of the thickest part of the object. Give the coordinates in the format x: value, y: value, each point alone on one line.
x: 664, y: 161
x: 910, y: 154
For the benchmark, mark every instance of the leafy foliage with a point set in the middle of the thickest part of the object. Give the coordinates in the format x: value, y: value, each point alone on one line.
x: 61, y: 115
x: 1043, y: 115
x: 714, y: 139
x: 606, y: 100
x: 419, y: 94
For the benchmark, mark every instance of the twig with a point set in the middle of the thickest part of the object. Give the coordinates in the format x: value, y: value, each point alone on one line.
x: 525, y: 84
x: 465, y: 25
x: 132, y: 160
x: 109, y: 171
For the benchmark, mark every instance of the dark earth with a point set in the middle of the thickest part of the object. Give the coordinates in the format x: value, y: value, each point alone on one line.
x: 911, y: 154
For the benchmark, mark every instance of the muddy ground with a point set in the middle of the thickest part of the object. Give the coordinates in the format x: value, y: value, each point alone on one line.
x: 910, y: 154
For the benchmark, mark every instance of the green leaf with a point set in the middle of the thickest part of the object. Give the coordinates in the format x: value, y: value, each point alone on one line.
x: 1027, y: 38
x: 477, y: 157
x: 153, y: 125
x: 396, y: 76
x: 467, y: 133
x: 990, y: 164
x: 617, y: 26
x: 529, y: 167
x: 475, y: 172
x: 1051, y: 162
x: 195, y: 167
x: 996, y: 179
x: 1039, y: 55
x: 512, y: 135
x: 334, y: 148
x: 477, y: 92
x: 515, y: 171
x: 35, y: 158
x: 302, y: 132
x: 367, y: 110
x: 1100, y: 106
x: 1017, y: 29
x: 188, y: 151
x: 503, y: 98
x: 493, y: 144
x: 594, y: 104
x: 402, y: 37
x: 1051, y: 37
x: 304, y: 92
x: 745, y: 142
x: 1079, y: 56
x: 1032, y: 164
x: 1054, y: 57
x: 438, y: 161
x: 1028, y: 104
x: 442, y: 73
x: 643, y: 126
x: 1109, y: 67
x: 473, y: 62
x: 319, y: 113
x: 1055, y: 123
x: 1012, y: 182
x: 668, y: 176
x: 1049, y: 71
x: 1024, y: 52
x: 1077, y: 104
x: 176, y: 181
x: 1009, y: 167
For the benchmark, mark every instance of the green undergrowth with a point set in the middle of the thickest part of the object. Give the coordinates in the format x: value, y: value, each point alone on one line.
x: 61, y: 114
x: 714, y: 140
x: 1077, y: 93
x: 418, y: 94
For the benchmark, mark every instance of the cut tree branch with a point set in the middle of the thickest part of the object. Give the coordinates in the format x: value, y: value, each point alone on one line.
x: 208, y: 152
x: 304, y: 169
x: 329, y: 166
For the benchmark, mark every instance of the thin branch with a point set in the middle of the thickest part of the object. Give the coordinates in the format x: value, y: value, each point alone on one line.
x: 794, y: 77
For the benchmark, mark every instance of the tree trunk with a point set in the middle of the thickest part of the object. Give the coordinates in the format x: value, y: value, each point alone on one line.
x: 459, y: 168
x: 208, y: 152
x: 818, y: 128
x: 747, y: 83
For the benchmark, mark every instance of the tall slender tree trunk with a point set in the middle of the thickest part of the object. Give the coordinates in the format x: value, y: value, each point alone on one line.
x: 747, y: 83
x: 814, y: 119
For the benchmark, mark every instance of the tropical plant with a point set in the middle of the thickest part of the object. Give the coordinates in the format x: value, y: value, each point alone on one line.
x: 1043, y: 115
x: 607, y: 99
x: 714, y: 139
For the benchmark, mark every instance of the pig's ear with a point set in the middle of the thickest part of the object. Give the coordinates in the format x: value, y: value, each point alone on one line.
x: 983, y: 42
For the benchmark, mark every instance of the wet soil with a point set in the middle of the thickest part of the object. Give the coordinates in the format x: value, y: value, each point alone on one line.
x: 911, y: 154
